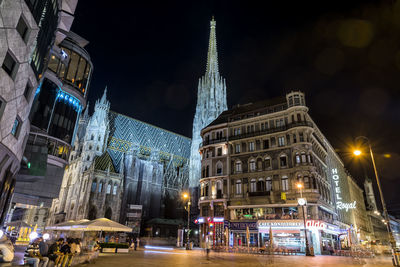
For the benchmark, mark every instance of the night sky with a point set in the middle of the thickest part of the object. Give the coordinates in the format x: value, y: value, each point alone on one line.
x: 344, y: 55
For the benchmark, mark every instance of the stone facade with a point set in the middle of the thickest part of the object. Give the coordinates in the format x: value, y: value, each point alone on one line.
x: 18, y: 31
x: 253, y: 158
x: 211, y: 101
x: 118, y: 162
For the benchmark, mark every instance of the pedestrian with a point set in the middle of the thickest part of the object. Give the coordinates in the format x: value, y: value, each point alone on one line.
x: 54, y: 253
x: 32, y: 254
x: 135, y: 243
x: 6, y: 249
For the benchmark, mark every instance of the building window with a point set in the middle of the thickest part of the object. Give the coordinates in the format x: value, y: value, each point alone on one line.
x: 238, y: 166
x: 22, y: 29
x: 236, y: 131
x: 238, y: 187
x: 283, y: 161
x: 92, y: 137
x: 298, y: 117
x: 115, y: 189
x: 237, y: 148
x: 306, y: 182
x: 260, y: 185
x: 280, y: 123
x: 100, y: 187
x: 253, y: 185
x: 303, y: 157
x: 294, y: 138
x: 219, y: 168
x: 16, y: 127
x: 301, y: 137
x: 252, y: 165
x: 10, y: 65
x: 207, y: 171
x: 281, y: 141
x: 27, y: 92
x: 219, y: 151
x: 273, y: 141
x: 297, y: 158
x: 94, y: 185
x: 268, y: 184
x: 285, y: 183
x: 251, y: 146
x: 108, y: 191
x: 266, y: 144
x: 267, y: 162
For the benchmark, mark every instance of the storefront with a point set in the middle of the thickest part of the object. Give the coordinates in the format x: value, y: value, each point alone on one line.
x: 212, y: 231
x: 243, y: 234
x: 289, y: 234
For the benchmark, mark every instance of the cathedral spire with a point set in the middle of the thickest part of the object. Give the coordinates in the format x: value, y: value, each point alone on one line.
x: 104, y: 97
x: 212, y: 57
x: 86, y: 114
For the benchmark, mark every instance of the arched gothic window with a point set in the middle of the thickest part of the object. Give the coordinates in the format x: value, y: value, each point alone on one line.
x: 108, y: 191
x: 115, y: 189
x: 94, y: 185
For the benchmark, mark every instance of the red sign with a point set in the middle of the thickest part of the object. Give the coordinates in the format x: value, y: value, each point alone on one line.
x: 316, y: 224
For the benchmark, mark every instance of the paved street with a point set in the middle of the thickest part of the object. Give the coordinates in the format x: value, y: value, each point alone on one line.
x: 176, y: 258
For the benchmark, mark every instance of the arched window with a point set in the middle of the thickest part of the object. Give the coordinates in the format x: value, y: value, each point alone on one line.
x: 298, y: 161
x: 253, y: 185
x: 100, y: 187
x: 259, y: 164
x: 219, y: 189
x: 219, y: 168
x: 260, y: 185
x: 97, y: 148
x: 115, y: 189
x: 94, y: 185
x: 90, y: 147
x: 108, y: 191
x: 252, y: 165
x: 267, y: 162
x: 268, y: 184
x: 88, y: 158
x: 285, y: 183
x: 238, y: 166
x: 98, y: 138
x: 92, y: 137
x: 283, y: 161
x: 238, y: 187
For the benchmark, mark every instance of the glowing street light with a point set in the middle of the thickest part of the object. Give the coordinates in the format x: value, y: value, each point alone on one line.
x: 386, y: 221
x: 187, y: 196
x: 303, y: 203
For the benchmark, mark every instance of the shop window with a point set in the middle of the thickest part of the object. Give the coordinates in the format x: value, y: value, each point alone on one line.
x: 53, y: 63
x: 10, y: 65
x: 22, y: 29
x: 72, y: 68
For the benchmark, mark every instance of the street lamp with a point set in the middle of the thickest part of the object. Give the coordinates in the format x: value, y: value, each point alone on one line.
x: 303, y: 203
x: 385, y: 213
x: 187, y: 196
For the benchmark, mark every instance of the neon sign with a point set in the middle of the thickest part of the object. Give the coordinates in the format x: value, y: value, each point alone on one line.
x: 314, y: 224
x: 339, y: 204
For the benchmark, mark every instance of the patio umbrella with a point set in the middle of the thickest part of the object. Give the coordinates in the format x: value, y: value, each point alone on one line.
x: 101, y: 224
x: 248, y: 236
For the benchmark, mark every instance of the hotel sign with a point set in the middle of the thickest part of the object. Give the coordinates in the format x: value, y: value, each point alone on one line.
x: 338, y: 193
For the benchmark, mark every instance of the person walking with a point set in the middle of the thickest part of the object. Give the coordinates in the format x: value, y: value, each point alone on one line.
x: 135, y: 243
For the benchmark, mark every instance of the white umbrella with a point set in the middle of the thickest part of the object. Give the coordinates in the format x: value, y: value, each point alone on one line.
x: 101, y: 224
x: 66, y: 226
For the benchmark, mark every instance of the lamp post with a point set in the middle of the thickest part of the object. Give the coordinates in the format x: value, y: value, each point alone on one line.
x: 303, y: 203
x: 385, y: 213
x: 187, y: 196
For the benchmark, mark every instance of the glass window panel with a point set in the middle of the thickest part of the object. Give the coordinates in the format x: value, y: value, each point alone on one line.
x: 80, y: 73
x: 73, y: 66
x: 53, y: 63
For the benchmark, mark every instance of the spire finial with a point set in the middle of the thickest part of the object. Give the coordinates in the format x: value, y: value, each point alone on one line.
x: 86, y: 114
x: 104, y: 97
x: 212, y: 57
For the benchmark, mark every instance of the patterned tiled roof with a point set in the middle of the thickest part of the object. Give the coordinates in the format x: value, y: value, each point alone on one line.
x: 126, y: 132
x: 103, y: 162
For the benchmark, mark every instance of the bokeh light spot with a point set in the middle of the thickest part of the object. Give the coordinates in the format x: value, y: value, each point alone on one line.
x: 355, y: 33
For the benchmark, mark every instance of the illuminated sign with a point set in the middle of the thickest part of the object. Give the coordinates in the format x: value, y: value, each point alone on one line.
x: 279, y: 224
x: 200, y: 220
x: 301, y: 201
x: 339, y: 204
x: 218, y: 219
x: 315, y: 224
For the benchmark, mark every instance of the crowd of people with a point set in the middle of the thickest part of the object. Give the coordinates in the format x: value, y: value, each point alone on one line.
x: 62, y: 252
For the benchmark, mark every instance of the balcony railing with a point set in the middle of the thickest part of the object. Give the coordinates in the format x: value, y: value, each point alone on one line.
x: 272, y: 130
x: 212, y: 141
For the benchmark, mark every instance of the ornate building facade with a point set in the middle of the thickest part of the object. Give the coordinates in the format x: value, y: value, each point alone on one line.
x: 253, y: 158
x: 118, y: 162
x: 211, y: 101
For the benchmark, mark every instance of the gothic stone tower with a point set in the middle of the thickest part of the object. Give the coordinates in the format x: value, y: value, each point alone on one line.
x: 211, y: 102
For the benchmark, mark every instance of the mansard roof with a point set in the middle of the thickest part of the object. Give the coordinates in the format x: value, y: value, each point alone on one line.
x: 248, y: 110
x: 103, y: 162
